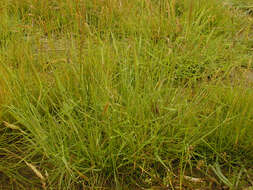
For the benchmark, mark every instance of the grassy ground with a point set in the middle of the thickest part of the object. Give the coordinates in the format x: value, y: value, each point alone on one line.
x: 136, y: 94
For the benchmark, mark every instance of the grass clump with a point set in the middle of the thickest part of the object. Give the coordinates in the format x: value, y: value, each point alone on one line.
x: 125, y: 94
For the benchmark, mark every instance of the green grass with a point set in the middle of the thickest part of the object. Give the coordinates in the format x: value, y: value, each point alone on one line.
x: 126, y: 94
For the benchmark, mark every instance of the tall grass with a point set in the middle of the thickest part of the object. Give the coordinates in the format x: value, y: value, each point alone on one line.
x: 124, y: 94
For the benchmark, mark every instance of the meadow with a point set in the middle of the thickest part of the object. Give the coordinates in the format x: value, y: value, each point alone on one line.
x: 126, y: 94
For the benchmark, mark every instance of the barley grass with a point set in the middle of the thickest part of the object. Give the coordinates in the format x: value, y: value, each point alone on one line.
x: 126, y: 94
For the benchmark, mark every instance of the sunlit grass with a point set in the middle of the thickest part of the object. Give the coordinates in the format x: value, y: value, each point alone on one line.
x: 125, y: 94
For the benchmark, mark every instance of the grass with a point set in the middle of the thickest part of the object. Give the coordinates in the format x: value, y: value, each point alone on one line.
x: 126, y: 94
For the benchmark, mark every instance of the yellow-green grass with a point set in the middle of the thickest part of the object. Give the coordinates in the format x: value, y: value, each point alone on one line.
x: 125, y: 94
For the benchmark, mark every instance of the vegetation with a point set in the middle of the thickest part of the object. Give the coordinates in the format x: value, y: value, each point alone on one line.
x: 137, y: 94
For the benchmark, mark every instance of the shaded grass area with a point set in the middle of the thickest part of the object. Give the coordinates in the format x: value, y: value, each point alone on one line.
x: 125, y: 95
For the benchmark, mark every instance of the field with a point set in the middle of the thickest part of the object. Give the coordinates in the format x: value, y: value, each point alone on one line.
x: 126, y: 94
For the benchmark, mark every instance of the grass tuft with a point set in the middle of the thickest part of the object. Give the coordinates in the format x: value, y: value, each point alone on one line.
x: 126, y: 94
